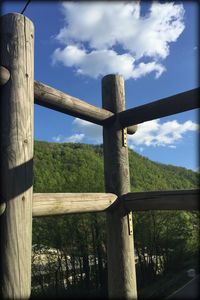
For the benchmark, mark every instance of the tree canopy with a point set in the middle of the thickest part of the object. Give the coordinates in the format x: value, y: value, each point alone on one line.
x: 80, y: 240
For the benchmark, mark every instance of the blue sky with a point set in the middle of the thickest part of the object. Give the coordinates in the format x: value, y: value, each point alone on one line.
x: 154, y: 47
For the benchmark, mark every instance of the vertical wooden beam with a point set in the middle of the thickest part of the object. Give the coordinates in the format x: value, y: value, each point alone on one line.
x: 120, y: 244
x: 16, y: 152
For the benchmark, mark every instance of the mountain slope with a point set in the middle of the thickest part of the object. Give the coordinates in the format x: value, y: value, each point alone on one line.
x: 164, y: 240
x: 79, y: 168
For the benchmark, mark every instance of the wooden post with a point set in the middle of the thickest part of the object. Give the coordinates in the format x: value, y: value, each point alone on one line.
x: 16, y: 151
x: 120, y: 244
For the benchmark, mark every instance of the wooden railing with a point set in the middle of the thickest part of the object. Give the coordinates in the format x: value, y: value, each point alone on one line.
x: 19, y: 91
x: 70, y: 203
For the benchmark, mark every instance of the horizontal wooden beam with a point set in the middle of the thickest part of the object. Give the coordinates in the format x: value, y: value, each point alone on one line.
x: 162, y: 200
x: 160, y: 108
x: 51, y: 98
x: 54, y: 99
x: 48, y: 204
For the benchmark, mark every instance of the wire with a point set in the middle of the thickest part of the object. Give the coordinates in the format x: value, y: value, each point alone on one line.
x: 23, y: 10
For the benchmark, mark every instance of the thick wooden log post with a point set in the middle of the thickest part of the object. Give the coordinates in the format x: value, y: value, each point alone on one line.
x: 16, y: 151
x: 120, y: 244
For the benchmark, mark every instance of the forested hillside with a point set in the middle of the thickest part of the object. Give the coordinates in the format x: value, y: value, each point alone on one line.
x: 72, y: 167
x: 74, y: 247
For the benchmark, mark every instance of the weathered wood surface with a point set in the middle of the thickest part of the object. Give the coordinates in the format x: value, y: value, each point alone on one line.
x: 16, y: 151
x: 4, y: 75
x: 160, y: 108
x: 46, y: 204
x: 162, y: 200
x: 120, y: 246
x: 132, y: 129
x: 54, y: 99
x: 57, y: 100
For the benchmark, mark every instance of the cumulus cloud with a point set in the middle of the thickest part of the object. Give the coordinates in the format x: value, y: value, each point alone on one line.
x: 91, y: 131
x: 84, y: 131
x: 112, y: 37
x: 154, y: 133
x: 57, y: 138
x: 75, y: 138
x: 101, y: 62
x: 149, y: 134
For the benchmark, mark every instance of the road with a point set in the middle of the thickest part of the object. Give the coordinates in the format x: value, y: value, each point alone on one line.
x: 190, y: 290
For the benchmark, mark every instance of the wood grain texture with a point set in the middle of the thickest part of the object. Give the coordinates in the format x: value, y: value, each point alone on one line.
x: 162, y: 200
x: 120, y: 246
x: 4, y: 75
x: 46, y: 204
x: 160, y: 108
x: 16, y: 151
x: 59, y: 101
x: 54, y: 99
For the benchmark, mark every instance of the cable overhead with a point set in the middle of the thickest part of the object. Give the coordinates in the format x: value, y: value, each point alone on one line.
x: 25, y: 7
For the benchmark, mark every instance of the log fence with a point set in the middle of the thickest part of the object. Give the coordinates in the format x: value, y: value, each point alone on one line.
x: 18, y: 204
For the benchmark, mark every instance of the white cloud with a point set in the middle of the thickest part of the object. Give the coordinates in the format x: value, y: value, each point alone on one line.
x: 91, y: 131
x: 84, y: 131
x: 57, y: 139
x: 76, y: 138
x: 101, y: 62
x: 102, y: 37
x: 154, y: 133
x: 172, y: 146
x: 149, y: 134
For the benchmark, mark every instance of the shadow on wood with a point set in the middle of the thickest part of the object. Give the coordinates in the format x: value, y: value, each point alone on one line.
x: 15, y: 176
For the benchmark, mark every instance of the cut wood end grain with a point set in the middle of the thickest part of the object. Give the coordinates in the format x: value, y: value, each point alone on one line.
x: 2, y: 208
x: 4, y: 75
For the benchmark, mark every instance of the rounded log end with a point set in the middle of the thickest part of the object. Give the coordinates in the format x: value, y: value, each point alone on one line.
x: 132, y: 129
x: 2, y: 208
x: 13, y: 20
x: 14, y: 14
x: 111, y: 77
x: 4, y: 75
